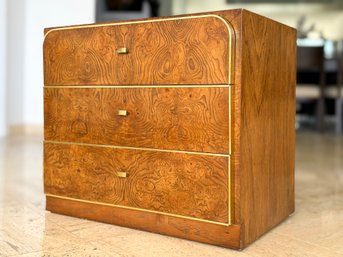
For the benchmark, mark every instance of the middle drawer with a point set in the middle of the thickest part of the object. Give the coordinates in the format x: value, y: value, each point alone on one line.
x: 180, y: 118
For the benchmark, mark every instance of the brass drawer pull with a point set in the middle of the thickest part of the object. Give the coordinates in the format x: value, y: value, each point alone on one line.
x: 122, y: 112
x: 121, y: 174
x: 122, y: 50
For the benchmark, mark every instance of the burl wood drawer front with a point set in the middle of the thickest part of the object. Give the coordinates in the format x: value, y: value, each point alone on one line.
x: 190, y: 185
x: 188, y: 119
x: 173, y: 51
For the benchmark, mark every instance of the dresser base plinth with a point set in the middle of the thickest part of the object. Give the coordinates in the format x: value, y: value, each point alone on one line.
x: 220, y: 235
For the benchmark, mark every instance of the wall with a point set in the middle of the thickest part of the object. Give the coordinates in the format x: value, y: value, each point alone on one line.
x: 3, y: 25
x: 166, y: 8
x: 26, y: 21
x: 327, y: 18
x: 15, y: 65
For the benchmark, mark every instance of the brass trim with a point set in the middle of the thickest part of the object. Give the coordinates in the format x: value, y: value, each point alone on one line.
x: 229, y: 189
x: 121, y: 174
x: 134, y: 148
x: 230, y: 209
x: 122, y: 50
x: 122, y: 112
x: 141, y: 86
x: 230, y: 119
x: 226, y: 23
x: 139, y: 209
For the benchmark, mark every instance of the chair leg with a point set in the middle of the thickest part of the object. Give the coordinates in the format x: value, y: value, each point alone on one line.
x: 320, y: 114
x: 339, y: 116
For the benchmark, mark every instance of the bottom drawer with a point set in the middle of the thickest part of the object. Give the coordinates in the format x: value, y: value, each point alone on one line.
x: 186, y: 184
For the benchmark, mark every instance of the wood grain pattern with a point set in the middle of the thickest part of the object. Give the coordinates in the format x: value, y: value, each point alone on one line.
x: 189, y: 119
x: 184, y: 184
x: 262, y: 139
x: 157, y: 54
x: 267, y: 124
x: 227, y: 236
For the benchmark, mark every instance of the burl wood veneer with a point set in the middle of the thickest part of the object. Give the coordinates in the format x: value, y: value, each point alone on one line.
x: 180, y: 125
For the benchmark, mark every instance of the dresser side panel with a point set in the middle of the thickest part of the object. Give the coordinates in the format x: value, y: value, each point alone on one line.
x: 267, y: 124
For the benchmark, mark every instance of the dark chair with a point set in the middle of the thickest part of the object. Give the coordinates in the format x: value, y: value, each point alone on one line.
x: 311, y: 59
x: 339, y: 98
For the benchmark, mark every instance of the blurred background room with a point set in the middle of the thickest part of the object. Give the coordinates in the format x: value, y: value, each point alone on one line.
x: 319, y: 22
x: 316, y: 228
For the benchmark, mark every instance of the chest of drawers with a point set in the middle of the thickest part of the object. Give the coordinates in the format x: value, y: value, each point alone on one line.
x: 182, y: 126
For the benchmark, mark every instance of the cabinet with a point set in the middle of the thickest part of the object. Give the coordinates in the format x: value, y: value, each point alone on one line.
x: 181, y: 125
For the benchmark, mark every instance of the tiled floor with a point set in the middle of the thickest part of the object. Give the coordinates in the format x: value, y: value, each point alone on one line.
x: 315, y: 229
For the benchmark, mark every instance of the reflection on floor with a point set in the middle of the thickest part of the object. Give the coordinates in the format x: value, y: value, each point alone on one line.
x: 315, y: 229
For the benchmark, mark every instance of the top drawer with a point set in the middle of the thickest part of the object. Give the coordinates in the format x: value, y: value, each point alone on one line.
x: 187, y: 50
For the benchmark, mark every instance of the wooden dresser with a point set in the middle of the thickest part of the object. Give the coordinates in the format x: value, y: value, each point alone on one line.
x: 182, y: 125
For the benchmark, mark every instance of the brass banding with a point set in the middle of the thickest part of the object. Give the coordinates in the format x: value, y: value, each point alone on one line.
x: 138, y: 209
x: 122, y: 112
x: 136, y: 86
x: 134, y: 148
x: 122, y: 50
x: 121, y: 174
x: 230, y: 209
